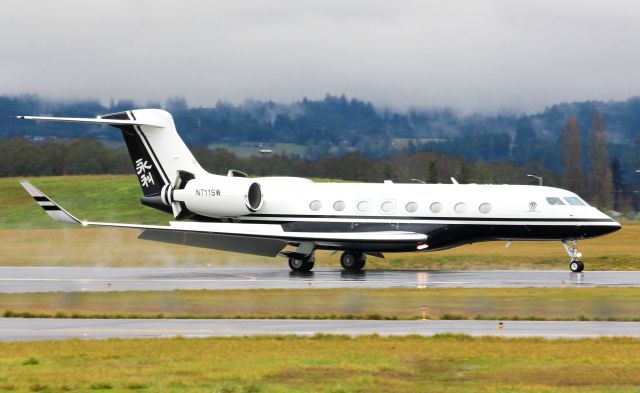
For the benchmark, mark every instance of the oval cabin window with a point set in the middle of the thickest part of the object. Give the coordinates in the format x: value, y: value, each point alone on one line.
x: 460, y: 207
x: 485, y: 208
x: 339, y: 206
x: 315, y: 205
x: 411, y: 207
x: 363, y: 206
x: 387, y: 207
x: 436, y: 207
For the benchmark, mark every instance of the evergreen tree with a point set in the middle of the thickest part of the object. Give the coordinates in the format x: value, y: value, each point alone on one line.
x: 601, y: 189
x: 524, y: 140
x: 572, y: 174
x: 463, y: 173
x: 618, y: 183
x: 432, y: 172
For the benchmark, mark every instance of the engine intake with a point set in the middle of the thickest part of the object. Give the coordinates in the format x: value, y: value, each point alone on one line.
x: 254, y: 198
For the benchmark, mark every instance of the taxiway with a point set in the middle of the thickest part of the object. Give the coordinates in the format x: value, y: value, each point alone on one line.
x: 18, y: 329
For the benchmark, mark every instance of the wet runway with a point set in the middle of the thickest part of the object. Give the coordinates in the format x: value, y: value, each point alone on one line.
x: 49, y: 279
x: 17, y: 329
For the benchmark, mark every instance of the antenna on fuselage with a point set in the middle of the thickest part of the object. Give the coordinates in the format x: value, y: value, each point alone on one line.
x: 454, y: 181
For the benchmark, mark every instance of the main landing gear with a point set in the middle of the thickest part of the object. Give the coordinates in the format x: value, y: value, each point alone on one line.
x: 353, y: 261
x: 302, y: 264
x: 576, y: 265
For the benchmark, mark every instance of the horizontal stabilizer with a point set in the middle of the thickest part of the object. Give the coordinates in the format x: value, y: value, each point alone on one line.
x: 97, y: 120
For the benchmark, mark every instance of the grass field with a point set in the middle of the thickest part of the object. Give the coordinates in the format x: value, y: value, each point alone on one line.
x: 28, y: 236
x: 323, y: 364
x: 602, y: 303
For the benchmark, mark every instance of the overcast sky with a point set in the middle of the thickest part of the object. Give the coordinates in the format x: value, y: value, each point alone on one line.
x: 485, y: 56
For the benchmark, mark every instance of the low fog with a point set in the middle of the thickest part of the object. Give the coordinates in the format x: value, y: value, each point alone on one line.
x: 488, y: 56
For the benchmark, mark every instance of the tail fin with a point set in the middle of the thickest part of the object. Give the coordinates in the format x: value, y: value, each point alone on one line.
x: 157, y: 152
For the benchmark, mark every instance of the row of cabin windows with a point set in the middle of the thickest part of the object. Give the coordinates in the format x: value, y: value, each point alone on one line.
x: 573, y: 201
x: 388, y: 207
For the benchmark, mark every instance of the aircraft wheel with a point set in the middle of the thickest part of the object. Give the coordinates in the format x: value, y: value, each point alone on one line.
x: 576, y: 266
x: 301, y: 265
x: 353, y: 260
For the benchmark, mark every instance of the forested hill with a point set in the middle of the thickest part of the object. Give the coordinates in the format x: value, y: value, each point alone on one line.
x: 339, y: 125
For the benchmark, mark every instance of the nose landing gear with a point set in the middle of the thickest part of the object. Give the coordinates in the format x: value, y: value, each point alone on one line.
x: 576, y: 265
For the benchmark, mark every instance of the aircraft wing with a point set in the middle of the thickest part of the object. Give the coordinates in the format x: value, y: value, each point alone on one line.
x: 257, y: 239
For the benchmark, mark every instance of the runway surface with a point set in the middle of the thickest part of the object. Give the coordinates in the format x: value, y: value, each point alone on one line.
x: 18, y: 329
x: 49, y: 279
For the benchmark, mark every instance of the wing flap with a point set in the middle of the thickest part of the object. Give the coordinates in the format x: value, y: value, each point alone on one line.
x: 233, y: 243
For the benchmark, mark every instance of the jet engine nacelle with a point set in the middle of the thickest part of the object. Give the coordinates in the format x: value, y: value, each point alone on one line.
x: 219, y: 196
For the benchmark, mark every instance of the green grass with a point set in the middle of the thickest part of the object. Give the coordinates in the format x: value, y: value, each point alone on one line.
x: 28, y: 236
x: 601, y: 303
x: 445, y: 363
x: 99, y: 198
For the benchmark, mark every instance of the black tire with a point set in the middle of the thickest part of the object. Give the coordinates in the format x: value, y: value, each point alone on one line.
x: 352, y: 260
x: 576, y: 266
x: 301, y: 265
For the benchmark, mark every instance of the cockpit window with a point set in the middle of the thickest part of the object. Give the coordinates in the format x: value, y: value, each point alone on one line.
x: 555, y: 201
x: 574, y: 201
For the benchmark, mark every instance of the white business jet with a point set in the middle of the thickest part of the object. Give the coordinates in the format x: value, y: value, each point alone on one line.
x: 293, y: 217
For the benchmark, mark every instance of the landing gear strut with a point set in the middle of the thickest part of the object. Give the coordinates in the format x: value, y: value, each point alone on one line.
x: 303, y: 264
x: 353, y: 260
x: 576, y: 264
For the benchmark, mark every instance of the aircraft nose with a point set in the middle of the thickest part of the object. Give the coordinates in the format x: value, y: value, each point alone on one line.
x: 616, y: 227
x: 600, y: 230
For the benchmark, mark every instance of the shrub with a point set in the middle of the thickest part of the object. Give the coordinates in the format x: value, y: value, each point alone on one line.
x: 32, y: 361
x: 101, y: 386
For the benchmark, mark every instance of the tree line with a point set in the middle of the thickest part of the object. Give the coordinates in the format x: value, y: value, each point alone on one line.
x: 21, y: 157
x: 597, y: 160
x: 340, y: 125
x: 601, y: 183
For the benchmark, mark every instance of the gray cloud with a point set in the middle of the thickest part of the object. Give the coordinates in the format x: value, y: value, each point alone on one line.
x: 472, y: 55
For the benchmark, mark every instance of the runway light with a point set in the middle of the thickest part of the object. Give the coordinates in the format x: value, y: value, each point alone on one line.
x: 422, y: 246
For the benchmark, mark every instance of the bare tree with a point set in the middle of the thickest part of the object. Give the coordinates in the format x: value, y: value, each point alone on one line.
x: 601, y: 179
x: 573, y: 175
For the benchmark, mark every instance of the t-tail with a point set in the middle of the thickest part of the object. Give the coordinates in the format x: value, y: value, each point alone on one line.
x: 160, y: 158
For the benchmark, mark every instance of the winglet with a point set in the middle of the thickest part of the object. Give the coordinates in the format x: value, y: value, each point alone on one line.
x: 50, y: 207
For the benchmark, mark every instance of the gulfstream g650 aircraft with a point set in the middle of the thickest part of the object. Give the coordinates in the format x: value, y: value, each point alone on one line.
x: 293, y: 217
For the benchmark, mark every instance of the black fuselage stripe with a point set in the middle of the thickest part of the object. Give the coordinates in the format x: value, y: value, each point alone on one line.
x: 291, y: 218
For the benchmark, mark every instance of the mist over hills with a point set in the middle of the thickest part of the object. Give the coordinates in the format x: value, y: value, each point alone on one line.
x: 339, y: 125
